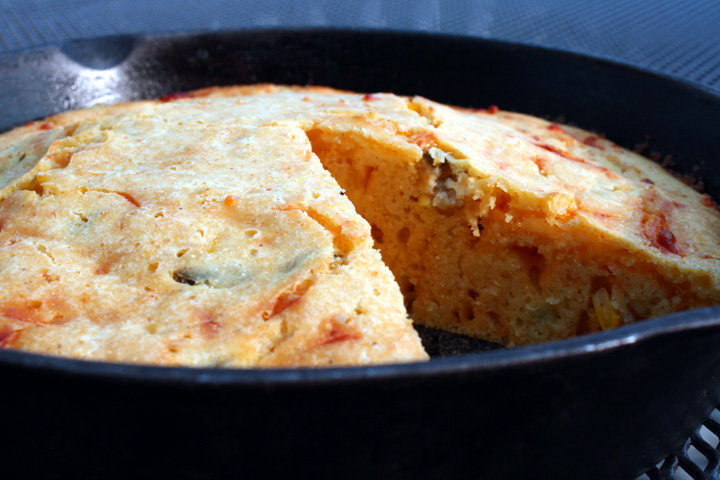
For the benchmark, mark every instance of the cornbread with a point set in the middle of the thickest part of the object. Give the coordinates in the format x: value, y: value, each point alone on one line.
x: 145, y: 239
x: 207, y: 228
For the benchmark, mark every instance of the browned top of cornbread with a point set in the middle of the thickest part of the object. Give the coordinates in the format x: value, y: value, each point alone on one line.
x: 562, y: 175
x: 144, y: 238
x: 583, y: 184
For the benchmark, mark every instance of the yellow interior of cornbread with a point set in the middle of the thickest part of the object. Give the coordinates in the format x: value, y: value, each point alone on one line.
x: 484, y: 267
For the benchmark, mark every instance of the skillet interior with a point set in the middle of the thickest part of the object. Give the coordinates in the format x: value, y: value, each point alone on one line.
x: 601, y: 406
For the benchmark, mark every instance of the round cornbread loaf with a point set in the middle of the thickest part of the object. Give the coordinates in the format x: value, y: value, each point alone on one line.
x: 202, y: 230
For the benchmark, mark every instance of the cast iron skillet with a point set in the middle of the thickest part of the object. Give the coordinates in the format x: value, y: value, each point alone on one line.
x: 603, y: 406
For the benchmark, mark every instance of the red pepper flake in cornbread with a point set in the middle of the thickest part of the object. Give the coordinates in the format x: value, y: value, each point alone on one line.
x: 22, y: 313
x: 287, y: 299
x: 555, y: 128
x: 209, y: 326
x: 40, y: 126
x: 656, y: 232
x: 129, y: 198
x: 541, y: 164
x: 705, y: 200
x: 176, y: 96
x: 7, y: 335
x: 560, y: 152
x: 335, y: 330
x: 425, y: 140
x: 666, y: 240
x: 491, y: 109
x: 608, y: 173
x: 369, y: 97
x: 592, y: 141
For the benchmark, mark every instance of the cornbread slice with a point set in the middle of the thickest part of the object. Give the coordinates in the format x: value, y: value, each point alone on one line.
x: 136, y: 238
x: 503, y: 226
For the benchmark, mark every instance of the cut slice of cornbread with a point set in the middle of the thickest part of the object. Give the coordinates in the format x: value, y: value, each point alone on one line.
x: 136, y: 238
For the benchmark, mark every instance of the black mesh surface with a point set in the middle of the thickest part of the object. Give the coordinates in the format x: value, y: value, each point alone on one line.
x: 677, y: 38
x: 698, y: 458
